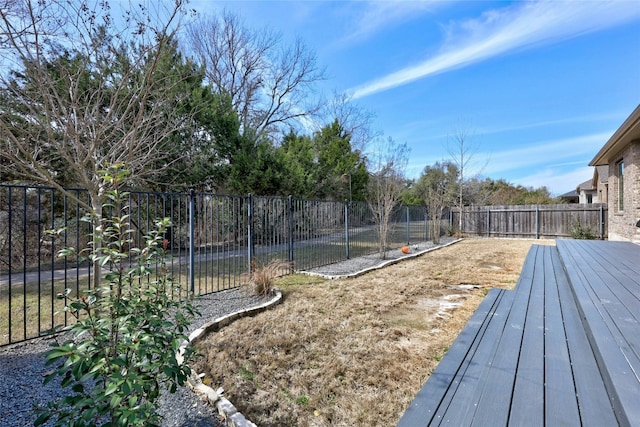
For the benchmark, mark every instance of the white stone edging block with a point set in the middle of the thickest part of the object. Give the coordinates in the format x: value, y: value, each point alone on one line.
x: 225, y: 408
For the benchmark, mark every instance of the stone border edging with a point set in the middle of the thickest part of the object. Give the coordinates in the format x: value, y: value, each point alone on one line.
x: 379, y: 266
x: 212, y: 397
x: 232, y: 417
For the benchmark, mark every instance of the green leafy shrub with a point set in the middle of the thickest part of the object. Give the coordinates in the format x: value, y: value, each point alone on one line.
x: 123, y: 347
x: 579, y: 231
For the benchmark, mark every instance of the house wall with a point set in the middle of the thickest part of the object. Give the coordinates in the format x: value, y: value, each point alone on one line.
x: 622, y: 223
x: 584, y: 197
x: 602, y: 196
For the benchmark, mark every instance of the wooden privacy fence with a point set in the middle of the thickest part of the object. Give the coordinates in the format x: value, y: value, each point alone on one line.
x: 533, y: 221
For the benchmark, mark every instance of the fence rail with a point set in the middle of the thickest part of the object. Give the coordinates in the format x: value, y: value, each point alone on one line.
x: 533, y: 221
x: 214, y: 240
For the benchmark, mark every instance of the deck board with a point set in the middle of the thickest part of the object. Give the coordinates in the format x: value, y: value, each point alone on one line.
x: 592, y: 398
x: 610, y: 317
x: 561, y: 405
x: 615, y: 285
x: 527, y: 404
x: 446, y: 376
x: 514, y: 379
x: 496, y: 370
x: 473, y: 369
x: 561, y: 349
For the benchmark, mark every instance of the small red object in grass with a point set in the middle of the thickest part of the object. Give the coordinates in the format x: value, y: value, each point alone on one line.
x: 405, y: 249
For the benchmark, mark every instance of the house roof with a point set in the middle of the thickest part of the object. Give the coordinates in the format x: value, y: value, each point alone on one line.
x: 601, y: 174
x: 586, y: 186
x: 627, y: 132
x: 569, y: 194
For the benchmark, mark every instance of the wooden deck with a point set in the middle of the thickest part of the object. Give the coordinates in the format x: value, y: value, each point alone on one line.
x: 561, y: 349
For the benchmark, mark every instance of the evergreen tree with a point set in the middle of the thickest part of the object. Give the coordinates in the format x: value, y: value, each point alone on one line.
x: 341, y: 173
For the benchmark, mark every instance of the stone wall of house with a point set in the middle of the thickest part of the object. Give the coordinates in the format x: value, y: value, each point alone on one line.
x: 622, y: 223
x: 602, y: 193
x: 602, y: 185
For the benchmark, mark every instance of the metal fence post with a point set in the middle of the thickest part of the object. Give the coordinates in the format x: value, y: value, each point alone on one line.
x: 24, y: 260
x: 290, y: 208
x: 250, y: 233
x: 192, y: 243
x: 10, y: 231
x: 451, y: 218
x: 601, y: 223
x: 408, y: 226
x: 346, y: 229
x: 39, y: 258
x: 426, y: 224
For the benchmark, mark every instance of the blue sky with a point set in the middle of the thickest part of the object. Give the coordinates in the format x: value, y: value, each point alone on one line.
x: 539, y: 87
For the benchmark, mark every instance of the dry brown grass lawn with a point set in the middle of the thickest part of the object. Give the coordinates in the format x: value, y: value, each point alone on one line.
x: 355, y: 352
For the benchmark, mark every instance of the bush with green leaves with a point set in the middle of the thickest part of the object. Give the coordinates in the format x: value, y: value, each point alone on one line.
x: 123, y: 345
x: 577, y: 230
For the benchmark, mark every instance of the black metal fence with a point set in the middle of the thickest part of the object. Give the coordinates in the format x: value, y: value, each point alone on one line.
x: 214, y: 240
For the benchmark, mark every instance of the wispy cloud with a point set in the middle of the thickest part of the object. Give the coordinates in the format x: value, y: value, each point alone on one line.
x: 556, y: 153
x: 367, y: 18
x: 557, y: 183
x: 546, y: 154
x: 617, y: 116
x: 559, y: 164
x: 513, y: 28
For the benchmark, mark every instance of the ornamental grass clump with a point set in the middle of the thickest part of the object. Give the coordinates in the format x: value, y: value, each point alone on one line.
x: 261, y: 279
x: 122, y: 350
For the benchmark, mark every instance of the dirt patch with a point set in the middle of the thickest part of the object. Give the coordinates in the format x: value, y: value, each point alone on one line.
x: 354, y: 352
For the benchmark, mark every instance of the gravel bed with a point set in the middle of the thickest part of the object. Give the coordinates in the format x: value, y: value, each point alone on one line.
x: 22, y: 368
x: 358, y: 265
x: 22, y: 365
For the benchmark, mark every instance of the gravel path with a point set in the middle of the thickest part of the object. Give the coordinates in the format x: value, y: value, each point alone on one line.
x: 22, y: 365
x: 22, y: 368
x: 359, y: 265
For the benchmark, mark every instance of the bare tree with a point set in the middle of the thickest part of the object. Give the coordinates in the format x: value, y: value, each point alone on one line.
x: 79, y: 92
x: 462, y: 149
x: 355, y: 120
x: 269, y: 83
x: 437, y: 188
x: 387, y: 165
